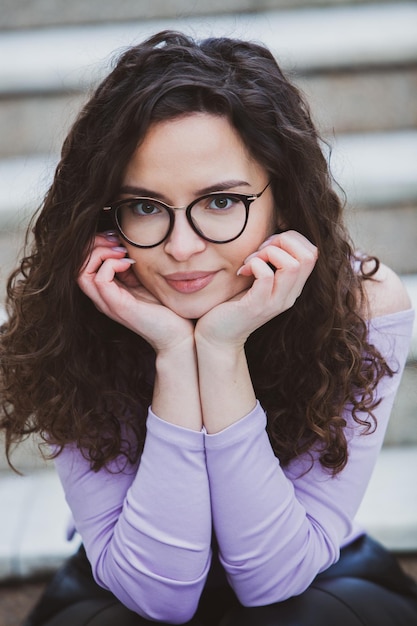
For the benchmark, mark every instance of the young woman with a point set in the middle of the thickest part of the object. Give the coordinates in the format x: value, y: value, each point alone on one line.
x: 211, y: 364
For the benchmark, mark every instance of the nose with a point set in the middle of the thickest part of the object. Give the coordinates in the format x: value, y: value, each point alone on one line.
x: 183, y: 242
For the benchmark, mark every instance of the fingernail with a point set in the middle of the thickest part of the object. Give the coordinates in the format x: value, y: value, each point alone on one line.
x: 131, y: 261
x: 111, y: 235
x: 239, y: 271
x: 119, y: 249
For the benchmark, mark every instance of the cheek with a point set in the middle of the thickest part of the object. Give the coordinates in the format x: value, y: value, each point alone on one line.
x: 272, y: 223
x: 142, y: 269
x: 255, y: 236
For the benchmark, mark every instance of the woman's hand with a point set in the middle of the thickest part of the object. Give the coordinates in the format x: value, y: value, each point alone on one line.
x: 108, y: 280
x: 280, y: 268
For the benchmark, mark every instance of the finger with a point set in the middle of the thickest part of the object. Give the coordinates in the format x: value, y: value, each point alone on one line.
x: 292, y: 270
x: 107, y: 271
x: 272, y: 259
x: 286, y: 282
x: 277, y: 291
x: 290, y: 252
x: 106, y: 292
x: 295, y: 245
x: 259, y: 269
x: 99, y: 272
x: 107, y: 239
x: 99, y: 254
x: 288, y: 239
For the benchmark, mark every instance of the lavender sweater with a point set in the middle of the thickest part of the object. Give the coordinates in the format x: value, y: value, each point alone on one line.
x: 147, y: 530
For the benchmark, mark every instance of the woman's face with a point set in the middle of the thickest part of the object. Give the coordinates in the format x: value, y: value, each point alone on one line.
x: 178, y: 161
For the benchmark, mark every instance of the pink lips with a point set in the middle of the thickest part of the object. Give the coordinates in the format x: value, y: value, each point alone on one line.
x: 189, y: 282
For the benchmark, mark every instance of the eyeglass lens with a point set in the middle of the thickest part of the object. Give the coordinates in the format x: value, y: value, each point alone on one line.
x: 217, y: 217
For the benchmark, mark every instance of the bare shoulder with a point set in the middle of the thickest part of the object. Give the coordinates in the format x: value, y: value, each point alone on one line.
x: 386, y: 293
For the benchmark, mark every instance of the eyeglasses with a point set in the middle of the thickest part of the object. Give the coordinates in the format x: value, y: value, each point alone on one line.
x: 217, y: 217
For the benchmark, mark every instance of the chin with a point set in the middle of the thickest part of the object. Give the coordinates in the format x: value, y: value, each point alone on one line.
x: 191, y: 313
x: 191, y: 310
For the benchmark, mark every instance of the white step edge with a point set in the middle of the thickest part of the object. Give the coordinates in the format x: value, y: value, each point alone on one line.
x: 372, y: 168
x: 33, y: 537
x: 307, y: 39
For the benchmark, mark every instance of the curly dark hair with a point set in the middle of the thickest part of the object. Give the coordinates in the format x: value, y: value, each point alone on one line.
x: 71, y: 374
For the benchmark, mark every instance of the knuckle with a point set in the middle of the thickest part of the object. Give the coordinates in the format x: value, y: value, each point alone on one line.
x: 311, y: 256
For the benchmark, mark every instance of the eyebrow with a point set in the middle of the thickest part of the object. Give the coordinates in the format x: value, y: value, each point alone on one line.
x: 218, y: 187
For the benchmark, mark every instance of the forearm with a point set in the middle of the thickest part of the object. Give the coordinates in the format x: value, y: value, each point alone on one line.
x: 226, y: 389
x: 176, y: 397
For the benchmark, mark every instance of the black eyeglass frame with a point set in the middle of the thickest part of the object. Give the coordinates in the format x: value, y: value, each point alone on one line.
x: 246, y: 199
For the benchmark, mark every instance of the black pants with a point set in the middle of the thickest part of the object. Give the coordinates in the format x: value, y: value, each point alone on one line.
x: 366, y: 587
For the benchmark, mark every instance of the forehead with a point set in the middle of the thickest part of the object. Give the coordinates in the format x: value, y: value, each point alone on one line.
x: 198, y: 150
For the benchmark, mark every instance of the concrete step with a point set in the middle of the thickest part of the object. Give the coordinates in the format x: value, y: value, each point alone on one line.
x: 362, y: 99
x: 308, y: 39
x: 36, y: 124
x: 390, y: 232
x: 33, y: 533
x: 58, y: 12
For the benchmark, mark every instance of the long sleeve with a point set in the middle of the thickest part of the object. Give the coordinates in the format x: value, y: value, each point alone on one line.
x: 278, y: 528
x: 146, y: 530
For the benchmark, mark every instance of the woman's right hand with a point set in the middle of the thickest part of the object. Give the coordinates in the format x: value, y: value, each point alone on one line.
x: 108, y: 280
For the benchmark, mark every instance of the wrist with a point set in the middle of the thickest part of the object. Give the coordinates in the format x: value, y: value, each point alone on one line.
x: 176, y: 397
x: 175, y: 350
x: 214, y: 346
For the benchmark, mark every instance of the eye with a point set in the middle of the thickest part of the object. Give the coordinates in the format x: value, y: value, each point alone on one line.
x: 221, y: 203
x: 142, y: 208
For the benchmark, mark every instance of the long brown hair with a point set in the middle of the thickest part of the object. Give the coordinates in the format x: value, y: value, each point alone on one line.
x: 73, y: 375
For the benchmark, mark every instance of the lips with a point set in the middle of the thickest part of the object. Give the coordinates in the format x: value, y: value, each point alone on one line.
x: 189, y: 282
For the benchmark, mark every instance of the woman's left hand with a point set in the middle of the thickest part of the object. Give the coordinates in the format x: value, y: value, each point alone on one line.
x: 280, y: 267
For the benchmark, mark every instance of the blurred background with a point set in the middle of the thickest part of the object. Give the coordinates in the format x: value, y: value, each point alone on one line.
x: 356, y: 62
